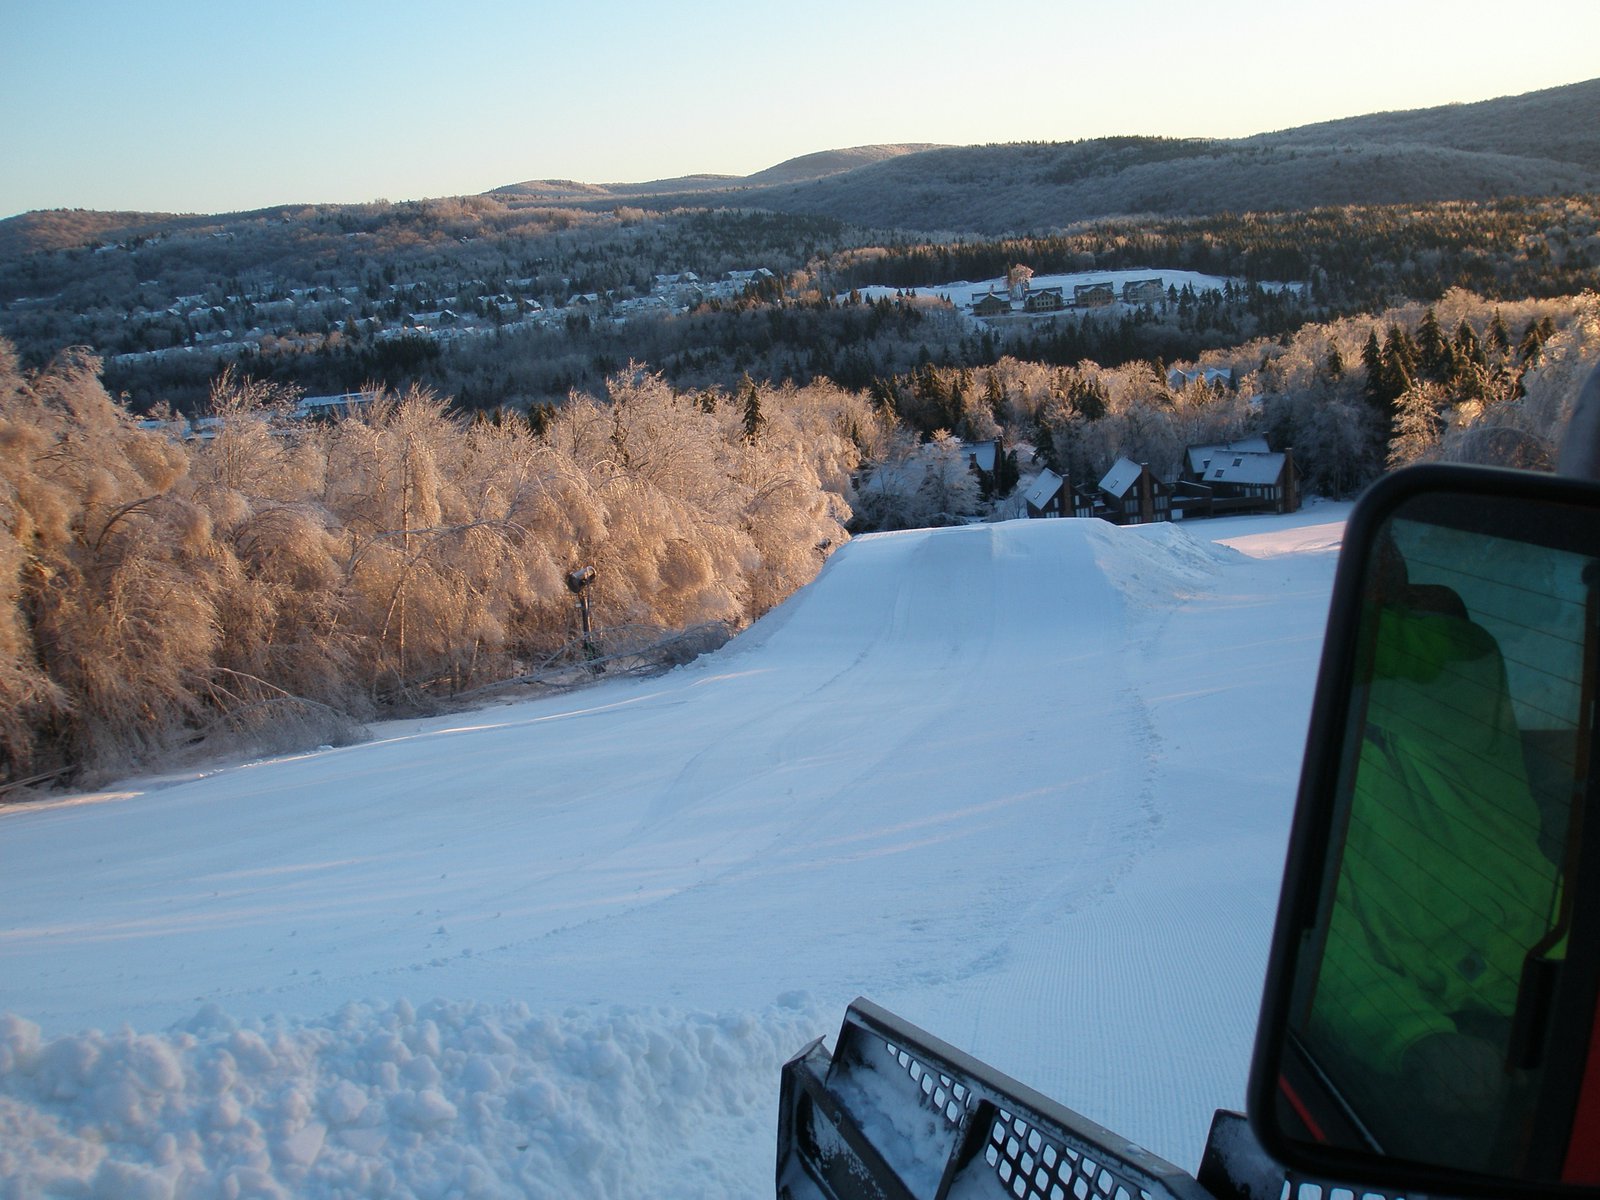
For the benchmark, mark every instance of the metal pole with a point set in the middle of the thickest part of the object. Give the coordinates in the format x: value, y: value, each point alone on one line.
x: 578, y: 582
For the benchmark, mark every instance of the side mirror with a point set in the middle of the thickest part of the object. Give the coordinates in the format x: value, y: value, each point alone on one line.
x: 1429, y: 1018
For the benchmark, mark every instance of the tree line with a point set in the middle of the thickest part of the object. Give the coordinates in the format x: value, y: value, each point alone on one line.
x: 1355, y: 257
x: 293, y: 578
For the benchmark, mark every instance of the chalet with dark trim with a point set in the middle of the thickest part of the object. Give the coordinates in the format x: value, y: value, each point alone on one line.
x: 1132, y: 495
x: 1242, y: 476
x: 982, y: 456
x: 1048, y: 496
x: 1197, y: 458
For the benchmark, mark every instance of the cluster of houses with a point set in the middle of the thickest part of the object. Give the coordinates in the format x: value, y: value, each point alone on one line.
x: 1243, y: 476
x: 1021, y: 298
x: 1220, y: 479
x: 302, y: 310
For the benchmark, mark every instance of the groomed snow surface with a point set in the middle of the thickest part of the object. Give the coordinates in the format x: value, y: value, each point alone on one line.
x: 1027, y: 784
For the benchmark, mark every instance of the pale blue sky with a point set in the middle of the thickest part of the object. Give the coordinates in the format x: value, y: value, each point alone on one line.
x: 170, y: 105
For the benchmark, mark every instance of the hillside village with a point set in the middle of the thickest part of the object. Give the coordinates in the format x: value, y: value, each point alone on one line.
x: 942, y: 480
x: 223, y: 324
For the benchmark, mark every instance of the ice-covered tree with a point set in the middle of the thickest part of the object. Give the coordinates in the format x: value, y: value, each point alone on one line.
x: 948, y: 487
x: 1418, y: 424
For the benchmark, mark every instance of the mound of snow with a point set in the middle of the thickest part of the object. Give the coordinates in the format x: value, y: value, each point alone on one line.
x: 452, y: 1099
x: 1153, y: 565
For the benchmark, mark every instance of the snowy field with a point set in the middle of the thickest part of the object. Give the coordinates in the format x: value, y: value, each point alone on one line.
x: 1026, y: 784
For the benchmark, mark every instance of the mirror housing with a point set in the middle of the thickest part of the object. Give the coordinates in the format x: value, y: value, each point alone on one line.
x: 1429, y: 1015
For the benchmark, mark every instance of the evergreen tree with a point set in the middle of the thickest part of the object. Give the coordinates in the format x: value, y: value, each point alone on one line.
x: 1433, y: 349
x: 1467, y: 346
x: 1399, y: 360
x: 1499, y: 336
x: 1044, y: 447
x: 954, y: 416
x: 1088, y: 397
x: 1372, y: 360
x: 1531, y: 349
x: 1007, y: 471
x: 1334, y: 363
x: 753, y: 420
x: 881, y: 392
x: 539, y: 417
x: 995, y: 397
x: 1394, y: 372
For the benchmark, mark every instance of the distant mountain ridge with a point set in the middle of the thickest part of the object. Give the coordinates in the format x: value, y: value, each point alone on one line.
x: 807, y: 167
x: 1540, y: 142
x: 1543, y: 142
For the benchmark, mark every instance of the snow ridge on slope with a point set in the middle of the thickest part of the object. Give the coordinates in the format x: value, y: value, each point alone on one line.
x: 1155, y: 565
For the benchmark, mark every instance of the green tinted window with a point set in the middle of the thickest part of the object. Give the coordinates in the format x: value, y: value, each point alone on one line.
x: 1456, y: 791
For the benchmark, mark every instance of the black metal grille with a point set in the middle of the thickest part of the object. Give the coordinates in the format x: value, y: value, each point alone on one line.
x: 1028, y: 1163
x: 1032, y: 1167
x: 944, y: 1095
x: 896, y: 1114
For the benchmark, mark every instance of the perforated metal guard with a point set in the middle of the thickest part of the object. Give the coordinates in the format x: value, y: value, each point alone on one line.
x: 1030, y: 1167
x: 944, y: 1095
x: 1028, y: 1163
x: 898, y: 1113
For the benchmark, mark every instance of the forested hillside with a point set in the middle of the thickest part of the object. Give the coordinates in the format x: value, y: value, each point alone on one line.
x: 549, y: 300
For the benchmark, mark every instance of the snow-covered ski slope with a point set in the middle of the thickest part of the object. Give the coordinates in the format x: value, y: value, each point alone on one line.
x: 1027, y: 784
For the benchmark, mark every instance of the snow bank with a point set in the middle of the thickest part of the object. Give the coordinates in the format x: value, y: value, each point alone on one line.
x: 1153, y: 565
x: 450, y: 1099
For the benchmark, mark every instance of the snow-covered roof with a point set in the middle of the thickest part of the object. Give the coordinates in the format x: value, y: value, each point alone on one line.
x: 1198, y: 456
x: 1179, y: 379
x: 1123, y: 475
x: 1044, y: 488
x: 308, y: 405
x: 983, y: 453
x: 1243, y: 467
